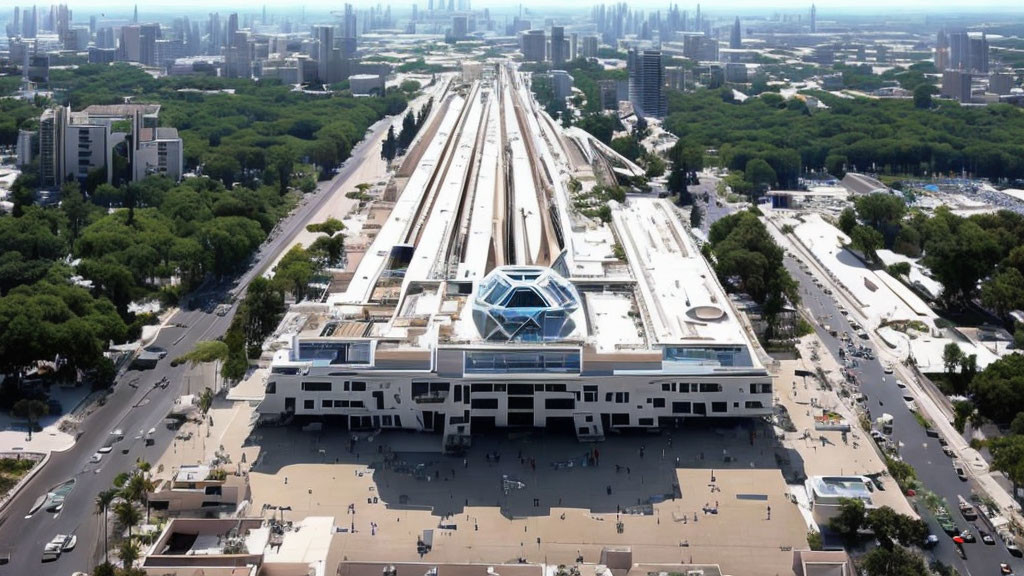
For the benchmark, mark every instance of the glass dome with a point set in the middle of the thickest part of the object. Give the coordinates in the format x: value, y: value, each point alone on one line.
x: 525, y: 303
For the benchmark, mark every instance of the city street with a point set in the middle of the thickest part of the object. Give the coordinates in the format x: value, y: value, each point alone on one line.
x: 133, y: 409
x: 934, y: 469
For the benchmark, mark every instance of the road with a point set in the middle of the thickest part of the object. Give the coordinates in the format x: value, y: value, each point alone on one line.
x: 135, y: 404
x: 934, y: 469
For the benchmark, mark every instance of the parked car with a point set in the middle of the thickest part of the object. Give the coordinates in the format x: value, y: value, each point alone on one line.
x: 987, y: 538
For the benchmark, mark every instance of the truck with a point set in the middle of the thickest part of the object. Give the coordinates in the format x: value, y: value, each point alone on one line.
x: 966, y: 509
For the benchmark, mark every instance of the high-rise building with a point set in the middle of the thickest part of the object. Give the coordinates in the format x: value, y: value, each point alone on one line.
x: 1001, y: 83
x: 589, y: 47
x: 978, y: 54
x: 735, y: 40
x: 814, y: 19
x: 558, y: 45
x: 574, y: 46
x: 941, y: 51
x: 71, y: 147
x: 646, y: 82
x: 215, y: 32
x: 967, y: 53
x: 328, y: 66
x: 460, y: 27
x: 532, y: 45
x: 956, y: 85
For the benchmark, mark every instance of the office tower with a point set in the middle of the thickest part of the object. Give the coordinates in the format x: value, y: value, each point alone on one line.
x: 148, y: 35
x: 326, y: 55
x: 959, y: 45
x: 646, y: 82
x: 129, y: 46
x: 14, y: 28
x: 415, y: 12
x: 1001, y: 83
x: 561, y: 84
x: 956, y: 85
x: 735, y: 40
x: 215, y: 31
x: 558, y: 45
x: 978, y: 54
x: 589, y: 47
x: 814, y: 19
x: 105, y: 38
x: 71, y: 147
x: 574, y: 46
x: 532, y: 45
x: 941, y: 51
x: 135, y: 14
x: 232, y: 27
x: 430, y: 5
x: 460, y: 27
x: 698, y: 24
x: 700, y: 48
x: 264, y: 19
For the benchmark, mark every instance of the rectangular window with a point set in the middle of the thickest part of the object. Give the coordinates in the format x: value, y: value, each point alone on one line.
x: 308, y: 404
x: 386, y: 420
x: 710, y: 387
x: 719, y: 407
x: 499, y: 387
x: 520, y: 403
x: 620, y: 419
x: 458, y: 393
x: 420, y: 388
x: 590, y: 396
x: 356, y: 404
x: 752, y: 405
x: 271, y: 387
x: 482, y: 388
x: 680, y: 407
x: 398, y: 421
x: 608, y: 397
x: 316, y: 386
x: 666, y: 387
x: 659, y: 402
x: 359, y: 386
x: 559, y: 404
x: 646, y: 422
x: 554, y: 387
x: 484, y: 403
x: 327, y: 404
x: 523, y: 361
x: 341, y: 403
x: 520, y: 419
x: 700, y: 408
x: 520, y: 389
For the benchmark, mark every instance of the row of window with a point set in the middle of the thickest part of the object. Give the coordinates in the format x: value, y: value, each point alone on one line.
x: 311, y: 404
x: 328, y: 386
x: 686, y: 387
x: 515, y: 403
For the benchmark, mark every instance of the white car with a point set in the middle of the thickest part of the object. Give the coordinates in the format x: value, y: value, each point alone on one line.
x: 96, y: 458
x: 67, y: 541
x: 888, y: 368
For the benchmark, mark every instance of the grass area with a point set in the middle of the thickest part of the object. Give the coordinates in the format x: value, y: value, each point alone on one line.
x: 921, y: 419
x: 12, y: 470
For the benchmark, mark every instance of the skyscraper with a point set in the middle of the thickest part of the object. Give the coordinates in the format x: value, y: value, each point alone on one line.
x: 531, y: 44
x: 735, y: 40
x: 558, y: 52
x: 814, y: 19
x: 646, y: 82
x: 941, y: 51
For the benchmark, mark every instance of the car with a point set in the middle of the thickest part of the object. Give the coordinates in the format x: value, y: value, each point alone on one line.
x: 942, y: 442
x: 948, y: 451
x: 960, y: 473
x: 1004, y: 568
x: 901, y: 385
x: 51, y: 552
x: 987, y: 538
x: 968, y: 536
x: 888, y: 368
x: 96, y: 458
x: 160, y: 352
x: 931, y: 541
x: 67, y: 541
x: 931, y: 432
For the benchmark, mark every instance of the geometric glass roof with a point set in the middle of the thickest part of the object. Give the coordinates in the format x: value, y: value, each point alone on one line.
x: 525, y: 303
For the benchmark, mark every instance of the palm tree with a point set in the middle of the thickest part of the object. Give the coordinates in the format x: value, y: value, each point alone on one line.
x: 103, y: 501
x: 138, y: 487
x: 129, y: 553
x: 127, y: 515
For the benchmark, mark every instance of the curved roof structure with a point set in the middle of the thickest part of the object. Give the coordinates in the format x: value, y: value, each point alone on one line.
x: 525, y: 303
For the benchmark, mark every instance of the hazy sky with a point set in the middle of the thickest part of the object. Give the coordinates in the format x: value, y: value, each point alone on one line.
x: 718, y: 6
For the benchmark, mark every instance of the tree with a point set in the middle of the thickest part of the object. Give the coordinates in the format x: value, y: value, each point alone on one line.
x: 847, y: 220
x: 1004, y: 291
x: 895, y: 561
x: 696, y: 216
x: 330, y: 227
x: 294, y: 272
x: 1017, y: 426
x: 951, y: 356
x: 105, y: 569
x: 923, y: 96
x: 898, y: 269
x: 963, y: 410
x: 31, y: 410
x: 75, y: 209
x: 868, y: 241
x: 760, y: 175
x: 204, y: 351
x: 127, y: 515
x: 128, y: 552
x: 390, y: 146
x: 835, y: 164
x: 890, y: 526
x: 849, y: 519
x: 103, y: 501
x: 880, y: 211
x: 999, y: 389
x: 1008, y: 457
